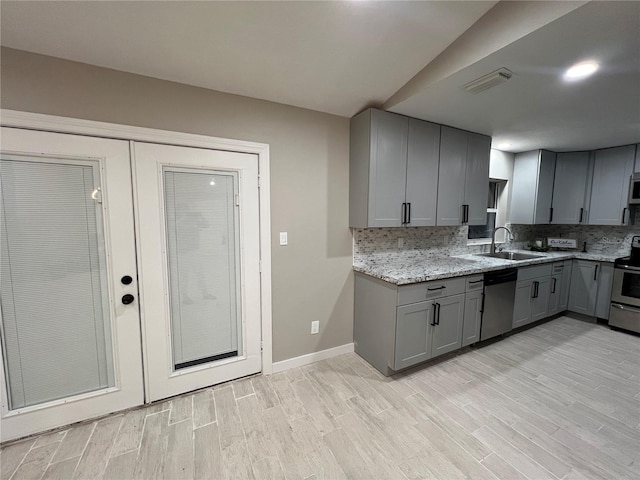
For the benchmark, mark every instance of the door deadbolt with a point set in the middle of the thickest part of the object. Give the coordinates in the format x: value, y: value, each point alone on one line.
x: 126, y: 280
x: 127, y: 299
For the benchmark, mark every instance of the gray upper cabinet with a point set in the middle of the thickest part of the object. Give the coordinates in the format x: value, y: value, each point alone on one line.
x: 532, y: 190
x: 476, y: 189
x: 378, y: 169
x: 636, y: 168
x: 451, y: 181
x: 570, y: 188
x: 422, y: 172
x: 393, y: 163
x: 610, y: 188
x: 463, y: 180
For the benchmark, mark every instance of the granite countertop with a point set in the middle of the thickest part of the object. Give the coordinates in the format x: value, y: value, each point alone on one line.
x: 403, y: 270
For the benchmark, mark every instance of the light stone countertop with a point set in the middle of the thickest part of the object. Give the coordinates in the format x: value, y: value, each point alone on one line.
x: 403, y: 269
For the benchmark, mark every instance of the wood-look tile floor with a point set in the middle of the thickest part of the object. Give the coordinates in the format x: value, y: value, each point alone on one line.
x: 559, y: 401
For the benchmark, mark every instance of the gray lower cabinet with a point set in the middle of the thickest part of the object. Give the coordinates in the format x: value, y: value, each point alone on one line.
x: 584, y: 287
x: 400, y: 326
x: 591, y: 284
x: 532, y: 295
x: 472, y: 317
x: 413, y: 339
x: 473, y: 305
x: 559, y: 287
x: 446, y: 334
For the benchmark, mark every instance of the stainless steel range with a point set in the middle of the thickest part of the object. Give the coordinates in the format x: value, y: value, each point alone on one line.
x: 625, y: 295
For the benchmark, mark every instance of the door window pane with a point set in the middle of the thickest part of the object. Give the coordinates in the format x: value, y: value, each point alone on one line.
x: 202, y: 256
x: 56, y: 335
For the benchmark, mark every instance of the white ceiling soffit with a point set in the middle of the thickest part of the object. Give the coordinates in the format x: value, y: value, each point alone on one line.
x: 536, y: 108
x: 335, y: 57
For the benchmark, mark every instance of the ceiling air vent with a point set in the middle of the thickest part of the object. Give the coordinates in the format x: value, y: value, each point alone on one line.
x: 487, y: 81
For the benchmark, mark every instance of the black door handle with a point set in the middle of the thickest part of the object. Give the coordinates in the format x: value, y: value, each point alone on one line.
x: 581, y: 214
x: 624, y: 212
x: 595, y: 273
x: 438, y: 319
x: 409, y: 213
x: 553, y: 289
x: 403, y: 214
x: 127, y: 299
x: 551, y: 215
x: 435, y: 308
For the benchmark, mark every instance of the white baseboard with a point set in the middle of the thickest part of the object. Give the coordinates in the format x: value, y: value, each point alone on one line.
x: 312, y: 357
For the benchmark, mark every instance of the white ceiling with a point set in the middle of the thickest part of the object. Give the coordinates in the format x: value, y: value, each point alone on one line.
x: 335, y: 57
x: 341, y: 56
x: 537, y: 108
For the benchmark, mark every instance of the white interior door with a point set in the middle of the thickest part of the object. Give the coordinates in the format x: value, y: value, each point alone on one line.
x: 70, y: 345
x: 199, y: 252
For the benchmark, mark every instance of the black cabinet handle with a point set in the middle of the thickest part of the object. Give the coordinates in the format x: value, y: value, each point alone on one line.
x: 482, y: 306
x: 409, y: 212
x: 551, y: 215
x: 403, y: 214
x: 466, y: 214
x: 581, y: 214
x: 438, y: 317
x: 476, y: 281
x: 535, y: 290
x: 441, y: 287
x: 435, y: 308
x: 624, y: 212
x: 553, y: 289
x: 127, y: 299
x: 595, y: 273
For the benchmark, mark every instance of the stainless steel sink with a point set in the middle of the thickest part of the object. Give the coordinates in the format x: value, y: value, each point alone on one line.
x: 510, y: 255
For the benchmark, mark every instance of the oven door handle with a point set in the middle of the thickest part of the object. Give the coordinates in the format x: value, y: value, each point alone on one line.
x: 625, y: 307
x: 628, y: 267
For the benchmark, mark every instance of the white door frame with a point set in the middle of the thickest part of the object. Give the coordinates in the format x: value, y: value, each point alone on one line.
x: 51, y: 123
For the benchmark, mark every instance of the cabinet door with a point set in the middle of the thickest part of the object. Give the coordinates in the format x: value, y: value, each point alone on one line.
x: 413, y: 334
x: 422, y: 172
x: 555, y: 292
x: 544, y: 192
x: 540, y: 303
x: 610, y: 189
x: 476, y: 187
x: 605, y: 284
x: 388, y: 170
x: 522, y: 303
x: 584, y: 287
x: 636, y: 168
x: 451, y: 175
x: 447, y: 334
x: 565, y: 286
x: 569, y: 188
x: 472, y: 317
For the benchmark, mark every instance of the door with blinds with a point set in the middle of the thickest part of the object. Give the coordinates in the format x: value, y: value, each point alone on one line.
x: 69, y: 318
x: 199, y: 253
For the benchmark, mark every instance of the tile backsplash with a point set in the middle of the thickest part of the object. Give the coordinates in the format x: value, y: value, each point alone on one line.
x: 440, y: 241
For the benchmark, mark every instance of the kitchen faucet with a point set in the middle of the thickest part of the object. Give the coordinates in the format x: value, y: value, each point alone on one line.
x: 493, y: 238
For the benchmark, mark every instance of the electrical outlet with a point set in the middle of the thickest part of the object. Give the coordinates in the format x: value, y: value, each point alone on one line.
x: 315, y: 327
x: 283, y: 238
x: 401, y: 243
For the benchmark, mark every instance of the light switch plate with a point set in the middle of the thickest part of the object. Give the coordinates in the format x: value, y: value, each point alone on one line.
x: 283, y: 238
x: 315, y: 327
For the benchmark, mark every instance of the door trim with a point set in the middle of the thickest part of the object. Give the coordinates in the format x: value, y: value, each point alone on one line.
x: 52, y: 123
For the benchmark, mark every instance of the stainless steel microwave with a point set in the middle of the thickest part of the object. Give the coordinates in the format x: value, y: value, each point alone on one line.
x: 634, y: 189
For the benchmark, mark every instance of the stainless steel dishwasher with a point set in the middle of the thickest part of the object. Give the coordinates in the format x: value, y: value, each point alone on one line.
x: 499, y: 294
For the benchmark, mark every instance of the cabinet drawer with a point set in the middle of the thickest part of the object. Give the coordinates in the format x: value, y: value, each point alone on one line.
x: 527, y: 273
x: 419, y: 292
x: 558, y: 268
x: 474, y: 282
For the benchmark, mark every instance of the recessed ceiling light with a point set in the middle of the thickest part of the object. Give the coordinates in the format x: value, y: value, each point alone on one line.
x: 581, y: 70
x: 504, y: 145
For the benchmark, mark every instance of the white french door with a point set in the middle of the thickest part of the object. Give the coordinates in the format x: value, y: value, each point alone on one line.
x: 86, y: 225
x: 69, y: 320
x: 199, y: 253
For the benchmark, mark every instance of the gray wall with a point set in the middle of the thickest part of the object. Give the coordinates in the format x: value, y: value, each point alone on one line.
x: 311, y: 277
